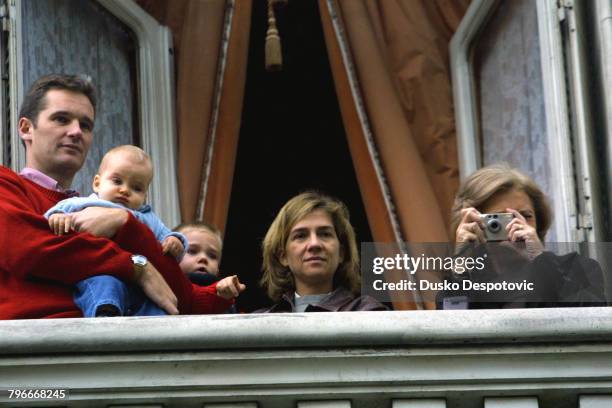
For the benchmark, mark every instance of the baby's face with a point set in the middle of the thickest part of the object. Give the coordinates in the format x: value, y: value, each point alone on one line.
x: 123, y: 181
x: 203, y: 254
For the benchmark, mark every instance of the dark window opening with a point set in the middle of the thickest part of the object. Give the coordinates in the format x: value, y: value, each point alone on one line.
x: 292, y: 139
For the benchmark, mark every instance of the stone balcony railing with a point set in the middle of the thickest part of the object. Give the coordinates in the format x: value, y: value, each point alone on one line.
x: 558, y: 358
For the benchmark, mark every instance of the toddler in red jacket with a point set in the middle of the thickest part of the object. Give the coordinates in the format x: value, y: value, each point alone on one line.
x: 203, y: 255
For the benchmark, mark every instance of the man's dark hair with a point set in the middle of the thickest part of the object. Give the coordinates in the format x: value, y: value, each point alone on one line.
x: 34, y: 101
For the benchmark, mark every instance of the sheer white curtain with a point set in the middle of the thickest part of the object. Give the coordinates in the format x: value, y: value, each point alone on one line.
x: 510, y: 92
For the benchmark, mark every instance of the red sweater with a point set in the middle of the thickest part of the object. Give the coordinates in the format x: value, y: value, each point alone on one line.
x: 38, y: 270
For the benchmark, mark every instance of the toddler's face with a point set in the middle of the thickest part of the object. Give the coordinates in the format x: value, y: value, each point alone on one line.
x: 203, y: 254
x: 123, y: 181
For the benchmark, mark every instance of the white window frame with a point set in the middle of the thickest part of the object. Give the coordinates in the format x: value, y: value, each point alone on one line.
x: 603, y: 34
x: 589, y: 191
x: 3, y: 137
x: 155, y: 99
x: 555, y: 101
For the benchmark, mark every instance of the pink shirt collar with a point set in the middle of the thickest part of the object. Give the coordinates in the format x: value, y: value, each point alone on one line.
x: 45, y: 181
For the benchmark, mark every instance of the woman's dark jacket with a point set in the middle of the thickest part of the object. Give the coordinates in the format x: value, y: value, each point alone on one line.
x: 340, y: 300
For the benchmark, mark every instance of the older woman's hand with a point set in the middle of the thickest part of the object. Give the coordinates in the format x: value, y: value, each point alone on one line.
x: 519, y: 230
x: 470, y: 229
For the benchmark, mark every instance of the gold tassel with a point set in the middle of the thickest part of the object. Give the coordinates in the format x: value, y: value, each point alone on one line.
x: 274, y: 56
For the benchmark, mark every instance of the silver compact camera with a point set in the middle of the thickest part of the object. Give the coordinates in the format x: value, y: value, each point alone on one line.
x: 495, y: 225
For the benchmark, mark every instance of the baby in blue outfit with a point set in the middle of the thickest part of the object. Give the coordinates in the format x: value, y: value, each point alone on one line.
x: 122, y: 181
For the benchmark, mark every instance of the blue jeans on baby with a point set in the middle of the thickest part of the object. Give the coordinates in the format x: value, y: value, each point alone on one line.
x: 99, y: 290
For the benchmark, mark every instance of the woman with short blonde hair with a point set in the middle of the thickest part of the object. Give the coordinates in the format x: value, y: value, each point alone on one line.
x: 310, y: 247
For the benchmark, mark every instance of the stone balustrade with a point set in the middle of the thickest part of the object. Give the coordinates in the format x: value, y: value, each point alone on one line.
x: 559, y: 358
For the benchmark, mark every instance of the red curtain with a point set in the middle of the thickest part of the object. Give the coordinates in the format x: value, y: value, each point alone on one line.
x: 197, y: 30
x: 400, y: 52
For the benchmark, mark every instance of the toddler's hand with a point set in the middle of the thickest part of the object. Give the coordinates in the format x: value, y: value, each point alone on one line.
x: 173, y: 245
x: 60, y: 223
x: 230, y: 287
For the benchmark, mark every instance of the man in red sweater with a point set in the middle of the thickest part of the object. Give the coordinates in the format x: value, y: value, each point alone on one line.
x: 38, y: 269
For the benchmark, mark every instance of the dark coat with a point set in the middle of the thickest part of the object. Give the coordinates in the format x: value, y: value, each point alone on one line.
x: 340, y: 300
x: 570, y: 280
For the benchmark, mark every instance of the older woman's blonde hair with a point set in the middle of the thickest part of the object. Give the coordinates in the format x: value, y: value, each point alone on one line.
x: 484, y: 184
x: 278, y: 279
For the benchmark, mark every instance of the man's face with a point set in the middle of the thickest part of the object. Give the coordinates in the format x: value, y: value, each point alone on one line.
x: 58, y: 143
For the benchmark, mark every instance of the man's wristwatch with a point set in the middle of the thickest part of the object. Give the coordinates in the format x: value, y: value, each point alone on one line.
x: 140, y: 262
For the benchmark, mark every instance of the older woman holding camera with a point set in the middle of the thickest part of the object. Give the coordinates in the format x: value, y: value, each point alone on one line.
x: 501, y: 189
x: 310, y: 258
x: 490, y: 194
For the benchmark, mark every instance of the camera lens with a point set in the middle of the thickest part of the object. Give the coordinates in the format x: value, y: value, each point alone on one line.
x: 494, y: 226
